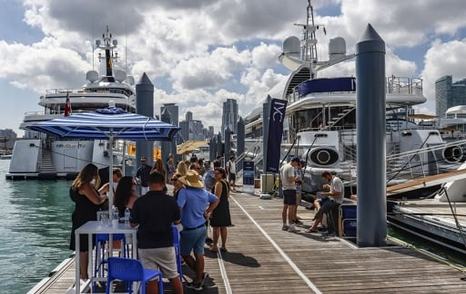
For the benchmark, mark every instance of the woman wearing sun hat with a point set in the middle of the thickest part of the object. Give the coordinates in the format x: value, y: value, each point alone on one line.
x: 196, y: 206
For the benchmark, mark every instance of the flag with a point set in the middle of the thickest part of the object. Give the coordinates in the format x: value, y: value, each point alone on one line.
x: 276, y: 117
x: 68, y: 105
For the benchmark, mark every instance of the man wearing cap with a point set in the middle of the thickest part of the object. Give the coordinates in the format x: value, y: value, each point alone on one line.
x: 142, y: 175
x: 288, y: 179
x: 196, y: 206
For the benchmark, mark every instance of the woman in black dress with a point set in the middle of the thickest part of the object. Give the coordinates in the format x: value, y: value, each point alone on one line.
x: 220, y: 219
x: 87, y: 201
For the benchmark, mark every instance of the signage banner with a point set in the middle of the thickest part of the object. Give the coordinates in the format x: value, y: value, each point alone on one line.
x: 276, y: 119
x: 248, y: 176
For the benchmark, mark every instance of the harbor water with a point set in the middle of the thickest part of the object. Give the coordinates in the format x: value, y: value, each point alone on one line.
x: 35, y: 221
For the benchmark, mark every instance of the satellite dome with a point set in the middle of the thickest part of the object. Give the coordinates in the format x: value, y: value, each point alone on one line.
x: 120, y: 75
x: 130, y: 80
x: 92, y: 76
x: 336, y: 48
x: 292, y: 46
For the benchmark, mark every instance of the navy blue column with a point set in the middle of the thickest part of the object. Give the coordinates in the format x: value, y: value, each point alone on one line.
x: 370, y: 109
x: 144, y: 106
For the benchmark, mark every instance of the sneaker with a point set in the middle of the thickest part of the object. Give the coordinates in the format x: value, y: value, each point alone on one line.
x: 285, y: 228
x: 204, y: 278
x: 292, y: 229
x: 194, y: 286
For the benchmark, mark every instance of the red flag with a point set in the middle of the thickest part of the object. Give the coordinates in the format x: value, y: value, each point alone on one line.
x: 68, y: 105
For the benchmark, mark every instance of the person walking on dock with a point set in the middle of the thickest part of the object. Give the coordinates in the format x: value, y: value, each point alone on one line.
x: 155, y: 213
x: 196, y: 206
x: 231, y: 168
x: 221, y: 218
x: 142, y: 175
x: 288, y: 179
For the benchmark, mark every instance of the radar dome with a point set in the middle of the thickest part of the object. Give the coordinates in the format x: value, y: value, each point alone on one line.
x: 130, y: 80
x: 336, y: 48
x: 120, y: 75
x: 92, y: 76
x: 292, y: 46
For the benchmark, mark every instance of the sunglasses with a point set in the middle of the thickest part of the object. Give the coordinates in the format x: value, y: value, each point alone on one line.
x: 174, y: 179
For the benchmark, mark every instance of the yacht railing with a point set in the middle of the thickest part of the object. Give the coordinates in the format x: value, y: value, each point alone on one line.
x: 393, y: 85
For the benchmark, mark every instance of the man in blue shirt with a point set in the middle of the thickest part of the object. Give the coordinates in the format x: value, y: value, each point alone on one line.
x: 196, y: 206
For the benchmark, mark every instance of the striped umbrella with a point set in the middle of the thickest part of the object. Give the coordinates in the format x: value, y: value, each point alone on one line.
x: 107, y: 124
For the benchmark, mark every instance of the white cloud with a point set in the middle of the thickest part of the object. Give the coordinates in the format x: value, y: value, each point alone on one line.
x: 209, y: 70
x: 41, y: 66
x: 191, y: 43
x: 442, y: 59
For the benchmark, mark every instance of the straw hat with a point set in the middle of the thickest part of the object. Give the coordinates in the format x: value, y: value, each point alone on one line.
x: 191, y: 179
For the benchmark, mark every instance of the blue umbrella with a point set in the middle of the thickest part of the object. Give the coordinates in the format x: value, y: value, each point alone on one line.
x: 108, y: 124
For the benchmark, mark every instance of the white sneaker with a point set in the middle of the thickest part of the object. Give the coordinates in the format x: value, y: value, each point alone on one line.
x: 292, y: 228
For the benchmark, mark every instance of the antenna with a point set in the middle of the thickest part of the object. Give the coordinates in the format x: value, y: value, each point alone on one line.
x: 126, y: 48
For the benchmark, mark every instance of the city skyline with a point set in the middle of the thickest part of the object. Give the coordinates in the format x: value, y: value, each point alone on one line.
x: 198, y: 62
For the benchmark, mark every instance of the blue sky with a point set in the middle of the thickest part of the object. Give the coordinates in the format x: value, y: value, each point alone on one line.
x: 200, y: 53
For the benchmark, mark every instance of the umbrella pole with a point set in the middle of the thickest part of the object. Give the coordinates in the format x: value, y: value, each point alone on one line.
x: 110, y: 176
x: 123, y: 168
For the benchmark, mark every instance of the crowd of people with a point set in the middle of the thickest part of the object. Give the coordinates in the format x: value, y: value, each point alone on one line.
x: 199, y: 199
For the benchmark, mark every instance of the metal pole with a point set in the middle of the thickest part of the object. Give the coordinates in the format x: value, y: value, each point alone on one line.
x: 123, y: 168
x: 370, y: 79
x: 110, y: 176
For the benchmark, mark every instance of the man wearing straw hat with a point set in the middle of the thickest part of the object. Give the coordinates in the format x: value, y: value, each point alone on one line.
x: 196, y: 206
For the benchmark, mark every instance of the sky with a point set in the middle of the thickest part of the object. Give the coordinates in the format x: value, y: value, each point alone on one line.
x: 198, y: 53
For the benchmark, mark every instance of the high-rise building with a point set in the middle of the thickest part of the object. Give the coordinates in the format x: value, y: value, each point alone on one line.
x: 211, y: 131
x: 449, y: 94
x: 7, y: 139
x: 229, y: 116
x: 172, y: 109
x: 184, y: 130
x: 189, y: 116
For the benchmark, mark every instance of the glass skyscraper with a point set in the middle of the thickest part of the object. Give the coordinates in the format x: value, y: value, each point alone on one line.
x: 449, y: 94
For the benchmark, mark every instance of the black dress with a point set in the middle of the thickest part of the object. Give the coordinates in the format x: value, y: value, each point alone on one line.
x: 221, y: 214
x: 84, y: 211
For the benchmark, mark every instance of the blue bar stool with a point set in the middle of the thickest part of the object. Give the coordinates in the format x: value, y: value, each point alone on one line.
x: 131, y: 270
x: 176, y: 244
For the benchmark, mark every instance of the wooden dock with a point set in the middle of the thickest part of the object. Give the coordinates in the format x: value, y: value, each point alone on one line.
x: 262, y: 258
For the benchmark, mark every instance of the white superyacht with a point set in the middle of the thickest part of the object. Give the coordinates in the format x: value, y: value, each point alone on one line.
x: 41, y: 156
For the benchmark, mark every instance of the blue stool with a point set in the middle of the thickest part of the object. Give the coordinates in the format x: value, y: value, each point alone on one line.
x: 131, y: 270
x: 176, y: 244
x: 100, y: 260
x: 348, y: 216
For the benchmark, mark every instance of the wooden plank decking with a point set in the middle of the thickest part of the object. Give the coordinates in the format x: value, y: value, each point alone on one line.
x: 264, y: 259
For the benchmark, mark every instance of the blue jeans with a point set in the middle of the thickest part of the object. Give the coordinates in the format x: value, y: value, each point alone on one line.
x: 193, y: 240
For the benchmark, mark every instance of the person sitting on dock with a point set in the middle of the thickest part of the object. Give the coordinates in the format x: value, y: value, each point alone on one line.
x: 143, y: 175
x: 196, y: 206
x: 288, y: 179
x: 330, y: 199
x: 155, y: 213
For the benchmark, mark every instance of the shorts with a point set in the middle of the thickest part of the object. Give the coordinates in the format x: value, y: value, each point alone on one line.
x: 193, y: 240
x: 289, y: 197
x: 163, y: 259
x: 328, y: 205
x: 232, y: 177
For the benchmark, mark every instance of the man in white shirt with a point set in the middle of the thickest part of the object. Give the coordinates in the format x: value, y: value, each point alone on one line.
x: 288, y: 179
x: 329, y: 199
x: 231, y: 169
